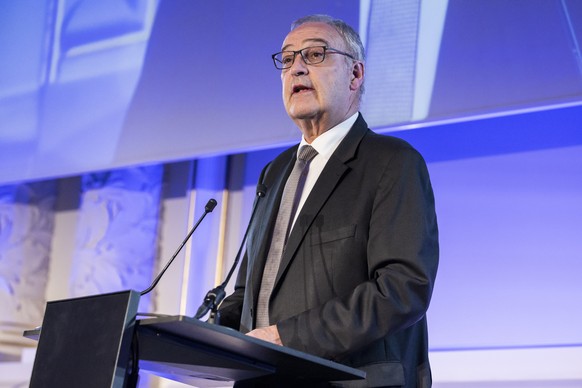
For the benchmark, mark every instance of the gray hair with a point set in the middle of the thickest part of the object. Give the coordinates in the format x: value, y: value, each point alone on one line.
x: 348, y: 34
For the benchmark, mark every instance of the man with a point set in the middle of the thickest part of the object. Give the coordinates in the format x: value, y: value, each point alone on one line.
x: 355, y: 274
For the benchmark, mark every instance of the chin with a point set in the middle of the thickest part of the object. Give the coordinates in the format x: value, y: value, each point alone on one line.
x: 302, y: 114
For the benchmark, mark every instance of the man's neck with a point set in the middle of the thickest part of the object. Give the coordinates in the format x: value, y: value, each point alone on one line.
x: 311, y: 128
x: 345, y: 125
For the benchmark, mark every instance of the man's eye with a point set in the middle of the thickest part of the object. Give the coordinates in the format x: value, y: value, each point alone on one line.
x: 287, y: 59
x: 314, y: 55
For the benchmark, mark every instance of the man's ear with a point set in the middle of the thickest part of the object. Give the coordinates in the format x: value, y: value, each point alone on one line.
x: 357, y: 75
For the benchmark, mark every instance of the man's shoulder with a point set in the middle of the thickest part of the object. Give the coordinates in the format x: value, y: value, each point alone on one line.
x: 380, y: 143
x: 376, y: 141
x: 281, y: 161
x: 286, y: 155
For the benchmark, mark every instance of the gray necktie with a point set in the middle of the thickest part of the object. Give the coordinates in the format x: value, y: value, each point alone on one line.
x: 287, y: 209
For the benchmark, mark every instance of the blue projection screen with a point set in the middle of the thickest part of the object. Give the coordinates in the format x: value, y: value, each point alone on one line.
x: 88, y: 86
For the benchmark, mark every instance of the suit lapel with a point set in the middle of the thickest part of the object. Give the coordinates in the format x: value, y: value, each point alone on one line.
x: 335, y: 169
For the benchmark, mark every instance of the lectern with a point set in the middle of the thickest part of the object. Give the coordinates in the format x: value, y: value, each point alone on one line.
x: 98, y: 341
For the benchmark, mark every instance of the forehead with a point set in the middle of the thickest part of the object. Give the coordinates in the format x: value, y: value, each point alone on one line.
x: 313, y: 33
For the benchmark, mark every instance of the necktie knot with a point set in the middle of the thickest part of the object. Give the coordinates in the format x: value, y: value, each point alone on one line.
x: 306, y: 153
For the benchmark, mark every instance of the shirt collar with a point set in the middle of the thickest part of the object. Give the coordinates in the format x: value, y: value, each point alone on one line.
x: 326, y: 143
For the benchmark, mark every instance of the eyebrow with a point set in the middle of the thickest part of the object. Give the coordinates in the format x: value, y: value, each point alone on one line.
x: 314, y: 40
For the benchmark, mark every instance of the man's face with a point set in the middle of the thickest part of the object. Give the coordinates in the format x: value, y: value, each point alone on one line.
x: 322, y: 93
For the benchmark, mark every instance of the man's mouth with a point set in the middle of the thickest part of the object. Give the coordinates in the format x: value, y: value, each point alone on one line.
x: 300, y: 89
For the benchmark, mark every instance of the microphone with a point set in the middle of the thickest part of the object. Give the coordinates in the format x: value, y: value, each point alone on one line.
x: 215, y: 296
x: 210, y: 205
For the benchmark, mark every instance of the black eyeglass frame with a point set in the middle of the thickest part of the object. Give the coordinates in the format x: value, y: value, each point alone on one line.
x: 279, y: 64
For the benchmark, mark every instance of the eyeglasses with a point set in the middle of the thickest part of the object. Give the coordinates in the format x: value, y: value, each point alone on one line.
x: 311, y: 56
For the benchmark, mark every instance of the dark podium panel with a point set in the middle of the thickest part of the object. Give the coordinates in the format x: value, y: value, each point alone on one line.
x: 97, y: 342
x: 188, y: 350
x: 86, y: 342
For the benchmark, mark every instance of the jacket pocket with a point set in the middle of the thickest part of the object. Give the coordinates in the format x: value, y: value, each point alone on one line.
x: 319, y: 236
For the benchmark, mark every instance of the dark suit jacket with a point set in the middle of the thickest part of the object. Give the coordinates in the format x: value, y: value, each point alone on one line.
x: 358, y: 270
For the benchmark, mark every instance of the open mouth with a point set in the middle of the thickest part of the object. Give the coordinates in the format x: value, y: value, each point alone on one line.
x: 300, y: 89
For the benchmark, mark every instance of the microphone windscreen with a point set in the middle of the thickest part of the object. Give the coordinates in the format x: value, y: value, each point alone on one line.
x: 210, y: 205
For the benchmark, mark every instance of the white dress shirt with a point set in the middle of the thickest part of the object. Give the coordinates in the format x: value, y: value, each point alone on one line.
x: 325, y: 145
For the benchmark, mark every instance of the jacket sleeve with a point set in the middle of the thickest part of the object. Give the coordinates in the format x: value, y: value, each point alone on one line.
x: 231, y: 307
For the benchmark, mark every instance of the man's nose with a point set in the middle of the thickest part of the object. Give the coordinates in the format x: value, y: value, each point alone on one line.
x: 298, y: 67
